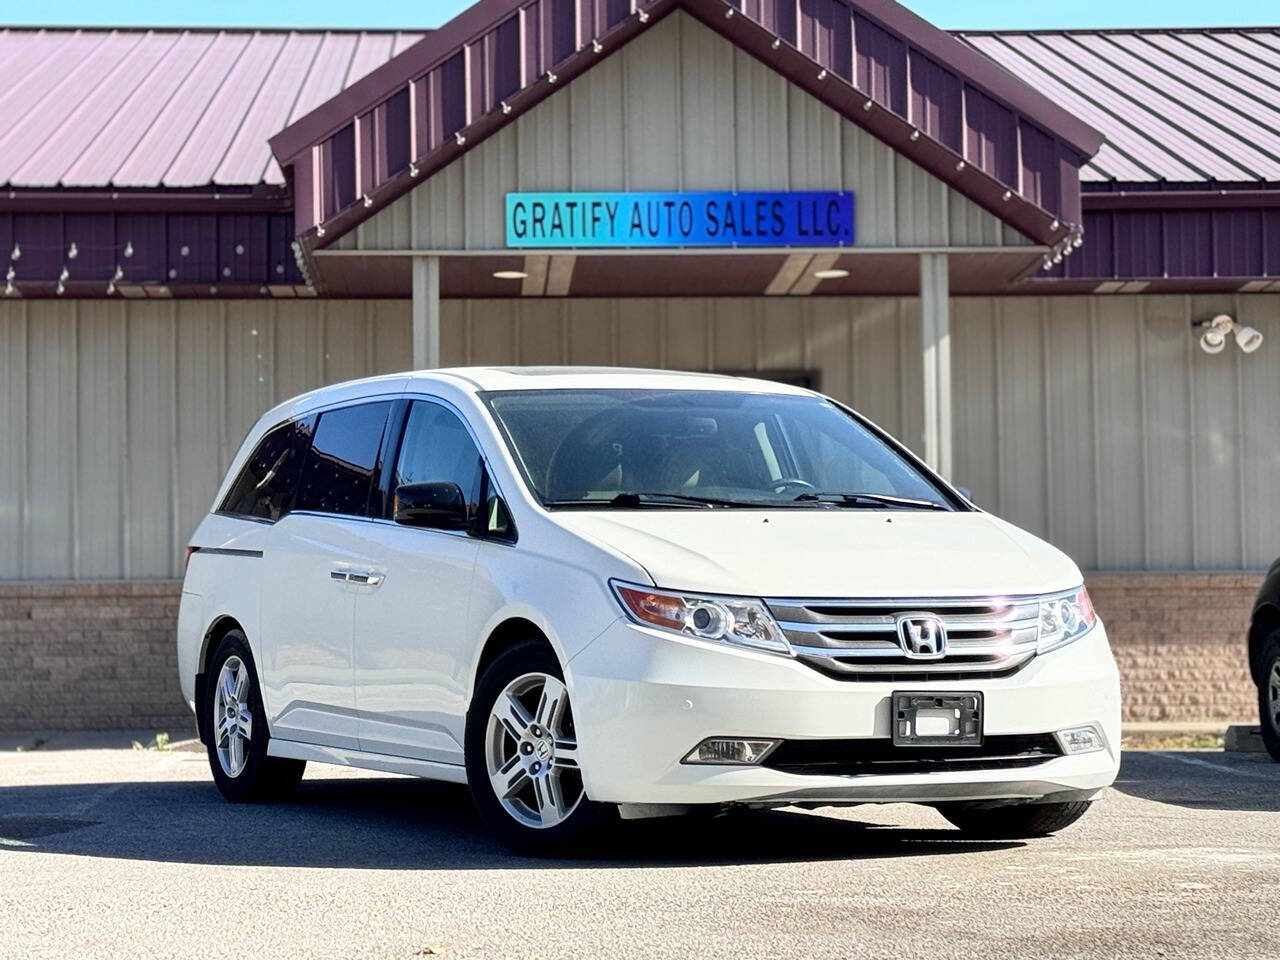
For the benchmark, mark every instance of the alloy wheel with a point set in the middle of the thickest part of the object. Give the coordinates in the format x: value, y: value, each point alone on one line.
x: 1273, y: 695
x: 531, y: 751
x: 232, y: 718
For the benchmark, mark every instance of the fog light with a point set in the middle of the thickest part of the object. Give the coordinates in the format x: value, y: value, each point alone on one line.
x: 740, y: 753
x: 1086, y: 739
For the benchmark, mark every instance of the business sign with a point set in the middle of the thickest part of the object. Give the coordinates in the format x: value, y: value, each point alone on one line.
x: 703, y: 219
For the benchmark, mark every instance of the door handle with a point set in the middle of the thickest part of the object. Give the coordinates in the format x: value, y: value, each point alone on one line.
x: 365, y: 578
x: 340, y: 576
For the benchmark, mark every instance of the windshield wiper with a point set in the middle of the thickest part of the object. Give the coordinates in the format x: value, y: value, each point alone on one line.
x: 636, y: 501
x: 870, y: 500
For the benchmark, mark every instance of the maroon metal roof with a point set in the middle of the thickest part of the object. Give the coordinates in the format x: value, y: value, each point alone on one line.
x: 166, y: 108
x: 1175, y: 105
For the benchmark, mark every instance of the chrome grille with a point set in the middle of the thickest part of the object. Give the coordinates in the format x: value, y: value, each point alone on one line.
x: 858, y: 639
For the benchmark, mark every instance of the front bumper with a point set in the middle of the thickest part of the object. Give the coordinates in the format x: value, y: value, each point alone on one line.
x: 643, y: 698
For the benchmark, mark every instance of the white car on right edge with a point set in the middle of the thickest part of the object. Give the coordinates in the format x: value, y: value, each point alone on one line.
x: 592, y: 593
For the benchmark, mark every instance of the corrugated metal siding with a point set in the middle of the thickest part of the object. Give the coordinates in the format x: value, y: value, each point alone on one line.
x: 1174, y: 105
x: 135, y: 108
x: 119, y: 418
x: 680, y: 107
x: 1094, y: 422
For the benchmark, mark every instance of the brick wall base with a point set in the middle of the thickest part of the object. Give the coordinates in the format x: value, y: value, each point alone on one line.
x: 85, y: 656
x: 1180, y: 642
x: 91, y: 656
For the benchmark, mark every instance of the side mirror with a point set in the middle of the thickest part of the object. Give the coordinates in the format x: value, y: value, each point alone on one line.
x: 439, y: 506
x: 965, y: 492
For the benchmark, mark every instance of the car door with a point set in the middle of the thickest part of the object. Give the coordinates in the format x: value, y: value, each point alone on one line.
x: 312, y: 555
x: 413, y: 640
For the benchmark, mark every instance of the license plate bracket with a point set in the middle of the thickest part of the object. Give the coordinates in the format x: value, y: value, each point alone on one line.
x: 932, y: 719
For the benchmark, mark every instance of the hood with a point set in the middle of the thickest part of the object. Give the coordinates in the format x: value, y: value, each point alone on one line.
x: 830, y: 553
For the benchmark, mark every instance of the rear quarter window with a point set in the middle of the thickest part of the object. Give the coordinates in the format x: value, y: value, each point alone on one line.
x: 267, y: 484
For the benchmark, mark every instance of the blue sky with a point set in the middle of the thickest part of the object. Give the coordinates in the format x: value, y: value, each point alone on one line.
x: 973, y: 14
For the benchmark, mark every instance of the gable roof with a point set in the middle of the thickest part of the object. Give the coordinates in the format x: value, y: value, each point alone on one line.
x: 936, y: 100
x: 166, y: 108
x: 1175, y: 105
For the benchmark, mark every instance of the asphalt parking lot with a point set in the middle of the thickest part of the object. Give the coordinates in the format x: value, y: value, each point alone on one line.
x: 109, y: 853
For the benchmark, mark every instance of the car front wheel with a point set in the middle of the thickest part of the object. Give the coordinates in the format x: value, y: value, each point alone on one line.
x: 522, y: 755
x: 1269, y: 696
x: 1013, y: 821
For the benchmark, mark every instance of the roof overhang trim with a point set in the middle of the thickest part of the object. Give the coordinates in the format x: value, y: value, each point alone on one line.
x: 1039, y: 193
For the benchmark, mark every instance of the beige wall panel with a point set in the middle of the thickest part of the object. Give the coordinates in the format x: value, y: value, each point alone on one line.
x: 99, y: 461
x: 544, y: 153
x: 1021, y: 413
x: 707, y: 114
x: 591, y: 326
x: 1167, y: 347
x: 1068, y: 434
x: 733, y: 334
x: 150, y: 472
x: 542, y: 335
x: 826, y: 329
x: 1260, y: 458
x: 685, y: 335
x: 14, y: 429
x: 199, y: 383
x: 455, y: 335
x: 299, y: 345
x: 51, y: 452
x: 391, y: 328
x: 1121, y: 463
x: 872, y: 164
x: 973, y: 385
x: 1216, y: 446
x: 641, y: 329
x: 680, y: 108
x: 494, y: 336
x: 760, y: 124
x: 651, y: 103
x: 781, y: 332
x: 875, y: 373
x: 910, y: 429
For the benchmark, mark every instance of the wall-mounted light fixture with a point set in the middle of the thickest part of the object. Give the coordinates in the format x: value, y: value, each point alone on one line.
x: 1214, y: 338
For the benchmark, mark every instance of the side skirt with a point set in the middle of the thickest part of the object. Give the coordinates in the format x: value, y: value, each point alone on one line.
x: 342, y: 756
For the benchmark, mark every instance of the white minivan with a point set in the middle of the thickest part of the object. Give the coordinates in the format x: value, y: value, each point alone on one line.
x: 593, y: 593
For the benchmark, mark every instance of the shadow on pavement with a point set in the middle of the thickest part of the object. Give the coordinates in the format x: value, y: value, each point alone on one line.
x: 1202, y: 779
x: 408, y: 824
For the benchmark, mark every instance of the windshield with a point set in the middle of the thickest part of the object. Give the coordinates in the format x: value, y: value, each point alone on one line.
x: 584, y: 448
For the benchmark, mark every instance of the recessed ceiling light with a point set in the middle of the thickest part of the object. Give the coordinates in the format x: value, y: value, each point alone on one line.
x: 510, y: 274
x: 835, y: 273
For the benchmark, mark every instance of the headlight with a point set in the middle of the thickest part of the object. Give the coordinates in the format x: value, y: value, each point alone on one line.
x: 737, y: 620
x: 1065, y: 617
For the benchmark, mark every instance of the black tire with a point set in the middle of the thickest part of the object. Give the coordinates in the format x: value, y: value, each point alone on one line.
x: 1269, y: 702
x: 1013, y: 821
x: 262, y: 778
x: 572, y: 836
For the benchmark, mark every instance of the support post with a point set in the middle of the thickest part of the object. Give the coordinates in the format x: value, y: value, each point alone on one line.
x: 426, y: 312
x: 935, y: 318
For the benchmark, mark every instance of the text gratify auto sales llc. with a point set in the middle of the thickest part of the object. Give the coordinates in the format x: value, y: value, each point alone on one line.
x: 714, y: 219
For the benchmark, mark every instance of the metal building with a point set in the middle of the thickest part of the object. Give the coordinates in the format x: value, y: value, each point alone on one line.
x: 201, y: 223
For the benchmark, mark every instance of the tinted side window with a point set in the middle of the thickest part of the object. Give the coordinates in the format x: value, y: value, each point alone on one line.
x: 266, y: 485
x: 340, y: 465
x: 436, y: 448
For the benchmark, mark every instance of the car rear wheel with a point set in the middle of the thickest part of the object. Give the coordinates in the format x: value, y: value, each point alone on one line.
x: 1269, y: 696
x: 522, y: 755
x: 236, y: 731
x: 1013, y: 821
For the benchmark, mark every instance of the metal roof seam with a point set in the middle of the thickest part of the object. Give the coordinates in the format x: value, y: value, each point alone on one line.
x: 105, y: 129
x: 1104, y: 109
x: 1175, y: 132
x: 1221, y: 39
x: 1203, y: 113
x: 40, y: 101
x: 244, y: 117
x: 297, y: 96
x: 1188, y: 50
x: 64, y: 125
x: 231, y: 69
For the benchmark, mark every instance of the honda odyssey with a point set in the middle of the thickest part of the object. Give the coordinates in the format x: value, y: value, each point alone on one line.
x: 592, y: 593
